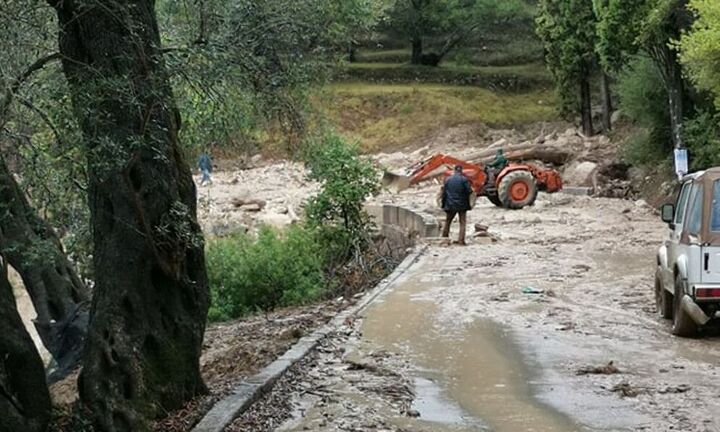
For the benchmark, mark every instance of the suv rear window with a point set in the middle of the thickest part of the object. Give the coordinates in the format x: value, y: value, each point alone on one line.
x: 682, y: 204
x: 715, y: 217
x: 696, y: 204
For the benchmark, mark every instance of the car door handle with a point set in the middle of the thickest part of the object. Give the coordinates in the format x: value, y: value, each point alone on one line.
x: 707, y: 262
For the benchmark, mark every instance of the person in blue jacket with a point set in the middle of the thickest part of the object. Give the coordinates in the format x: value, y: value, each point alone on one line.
x: 456, y: 201
x: 205, y: 167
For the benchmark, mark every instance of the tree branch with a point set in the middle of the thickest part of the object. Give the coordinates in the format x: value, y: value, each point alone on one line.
x: 15, y: 85
x: 43, y: 116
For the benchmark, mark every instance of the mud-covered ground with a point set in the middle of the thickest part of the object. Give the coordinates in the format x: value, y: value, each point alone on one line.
x: 514, y: 335
x: 237, y: 350
x: 548, y: 325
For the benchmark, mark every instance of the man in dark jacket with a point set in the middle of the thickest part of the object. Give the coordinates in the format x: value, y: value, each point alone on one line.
x: 456, y: 201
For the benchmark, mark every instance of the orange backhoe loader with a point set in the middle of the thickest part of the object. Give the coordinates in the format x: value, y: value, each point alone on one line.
x: 514, y: 187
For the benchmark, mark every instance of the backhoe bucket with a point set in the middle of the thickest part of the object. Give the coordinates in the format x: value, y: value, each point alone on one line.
x: 395, y: 182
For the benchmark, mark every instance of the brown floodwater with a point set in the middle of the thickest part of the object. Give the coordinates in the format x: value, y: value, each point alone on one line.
x: 472, y: 375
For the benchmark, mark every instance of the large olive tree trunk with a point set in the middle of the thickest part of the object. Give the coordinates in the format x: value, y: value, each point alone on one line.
x: 32, y: 248
x: 24, y: 397
x: 151, y: 297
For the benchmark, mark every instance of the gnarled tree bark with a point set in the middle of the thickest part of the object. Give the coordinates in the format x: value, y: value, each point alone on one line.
x: 151, y: 296
x: 32, y: 248
x: 24, y: 397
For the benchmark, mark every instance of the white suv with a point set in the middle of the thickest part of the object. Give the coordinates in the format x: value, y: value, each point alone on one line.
x: 687, y: 281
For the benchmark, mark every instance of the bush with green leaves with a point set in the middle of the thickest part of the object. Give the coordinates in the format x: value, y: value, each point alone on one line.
x: 299, y: 265
x: 702, y: 135
x: 279, y: 269
x: 347, y: 180
x: 701, y: 47
x: 643, y: 100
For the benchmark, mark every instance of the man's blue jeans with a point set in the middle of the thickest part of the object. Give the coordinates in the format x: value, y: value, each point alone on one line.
x: 205, y: 177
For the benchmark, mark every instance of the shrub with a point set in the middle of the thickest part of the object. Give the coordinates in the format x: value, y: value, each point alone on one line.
x: 279, y: 269
x: 641, y: 149
x: 702, y: 136
x: 347, y: 181
x: 643, y: 99
x: 299, y: 265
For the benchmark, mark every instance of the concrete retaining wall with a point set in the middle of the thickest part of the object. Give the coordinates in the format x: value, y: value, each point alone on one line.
x: 411, y: 221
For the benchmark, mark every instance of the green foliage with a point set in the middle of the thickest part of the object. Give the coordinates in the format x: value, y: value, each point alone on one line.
x: 299, y: 265
x: 279, y: 269
x: 243, y: 69
x: 618, y: 29
x: 347, y: 181
x: 450, y: 24
x: 643, y: 99
x: 567, y: 29
x: 641, y: 149
x: 701, y: 47
x: 702, y: 135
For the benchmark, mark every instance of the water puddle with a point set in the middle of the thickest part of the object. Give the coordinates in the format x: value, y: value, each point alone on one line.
x: 434, y: 406
x: 467, y: 374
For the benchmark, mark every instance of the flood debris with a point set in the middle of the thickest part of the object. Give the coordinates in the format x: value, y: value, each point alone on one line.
x: 627, y: 390
x: 566, y: 326
x: 532, y: 290
x: 682, y: 388
x: 608, y: 369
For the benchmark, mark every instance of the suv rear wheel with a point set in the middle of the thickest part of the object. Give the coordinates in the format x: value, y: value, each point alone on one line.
x: 683, y: 325
x: 663, y: 298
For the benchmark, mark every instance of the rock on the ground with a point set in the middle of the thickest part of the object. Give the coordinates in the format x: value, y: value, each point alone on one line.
x: 580, y: 174
x: 226, y: 229
x: 276, y: 220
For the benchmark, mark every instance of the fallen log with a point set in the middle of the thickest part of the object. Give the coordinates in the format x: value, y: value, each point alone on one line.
x: 546, y: 154
x: 492, y: 151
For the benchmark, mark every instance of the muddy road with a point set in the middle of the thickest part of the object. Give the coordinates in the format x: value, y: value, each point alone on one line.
x: 517, y: 335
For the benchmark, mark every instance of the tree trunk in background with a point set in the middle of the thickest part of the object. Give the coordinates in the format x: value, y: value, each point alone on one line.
x: 417, y: 51
x: 607, y: 107
x: 586, y: 103
x: 676, y: 95
x: 24, y: 397
x: 151, y: 297
x: 352, y: 54
x: 32, y: 248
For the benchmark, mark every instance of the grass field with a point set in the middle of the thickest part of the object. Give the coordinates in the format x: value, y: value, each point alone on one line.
x: 386, y: 116
x: 385, y: 103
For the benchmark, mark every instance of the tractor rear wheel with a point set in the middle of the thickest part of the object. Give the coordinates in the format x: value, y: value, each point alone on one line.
x: 495, y: 200
x: 517, y: 189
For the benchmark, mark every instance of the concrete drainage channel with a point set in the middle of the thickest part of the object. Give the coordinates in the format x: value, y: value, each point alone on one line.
x: 253, y: 388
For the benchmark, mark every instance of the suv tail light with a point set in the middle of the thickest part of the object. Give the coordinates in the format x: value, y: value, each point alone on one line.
x: 707, y: 293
